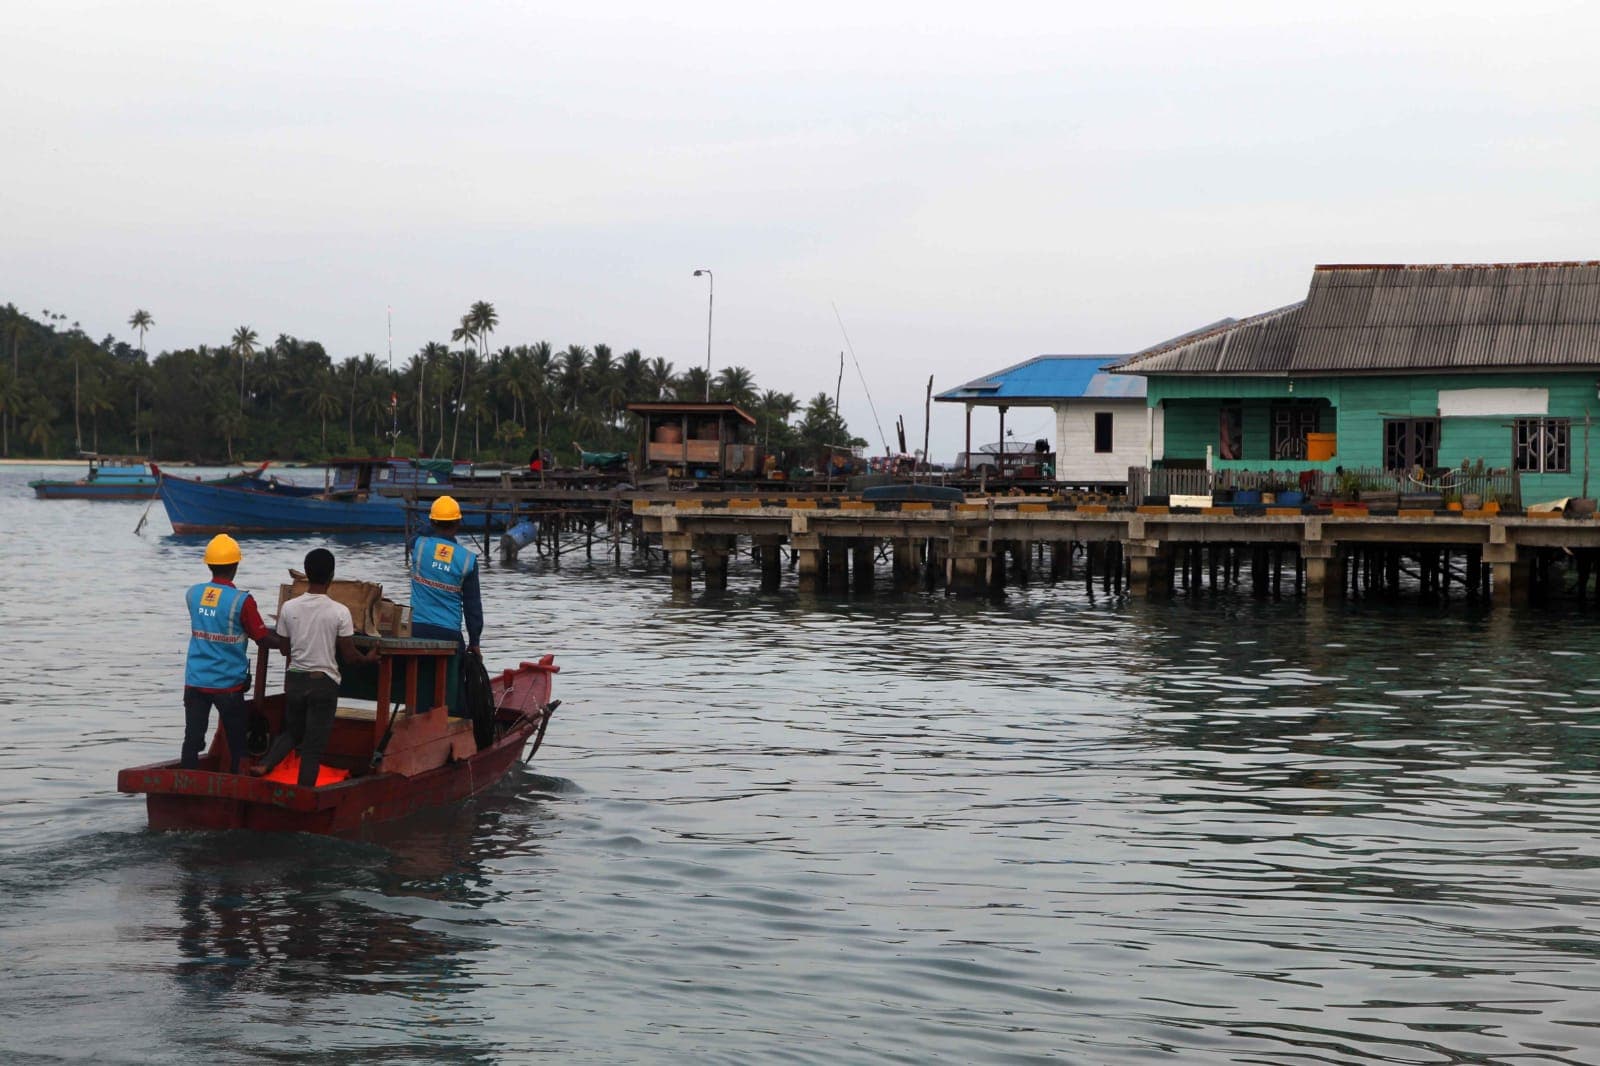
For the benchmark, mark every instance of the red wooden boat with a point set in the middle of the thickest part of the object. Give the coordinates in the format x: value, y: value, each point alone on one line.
x: 399, y: 759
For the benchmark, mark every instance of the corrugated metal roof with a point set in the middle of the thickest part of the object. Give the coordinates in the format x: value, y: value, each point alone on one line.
x: 1046, y: 378
x: 1260, y: 344
x: 1364, y: 318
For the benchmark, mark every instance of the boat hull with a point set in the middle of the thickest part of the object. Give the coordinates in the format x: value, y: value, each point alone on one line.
x: 88, y: 490
x: 135, y: 488
x: 197, y: 508
x: 179, y: 799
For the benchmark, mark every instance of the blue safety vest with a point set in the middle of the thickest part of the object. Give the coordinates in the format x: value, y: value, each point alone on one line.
x: 218, y: 656
x: 438, y: 569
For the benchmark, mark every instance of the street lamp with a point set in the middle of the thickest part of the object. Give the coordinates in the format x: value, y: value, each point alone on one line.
x: 710, y: 300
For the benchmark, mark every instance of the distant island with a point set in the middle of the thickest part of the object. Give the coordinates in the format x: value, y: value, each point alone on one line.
x: 61, y: 393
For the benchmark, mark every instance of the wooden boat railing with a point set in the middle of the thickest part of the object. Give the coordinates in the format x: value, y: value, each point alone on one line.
x: 413, y: 652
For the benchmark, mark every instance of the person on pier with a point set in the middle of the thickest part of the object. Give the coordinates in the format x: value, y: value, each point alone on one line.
x: 222, y: 619
x: 444, y: 581
x: 319, y: 632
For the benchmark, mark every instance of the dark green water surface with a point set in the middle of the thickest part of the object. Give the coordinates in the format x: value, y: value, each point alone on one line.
x: 774, y: 829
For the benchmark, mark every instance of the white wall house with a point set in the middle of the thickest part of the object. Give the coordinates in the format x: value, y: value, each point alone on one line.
x: 1102, y: 426
x: 1098, y: 439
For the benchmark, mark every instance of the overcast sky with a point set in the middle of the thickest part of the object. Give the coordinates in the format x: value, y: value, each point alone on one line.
x: 971, y: 184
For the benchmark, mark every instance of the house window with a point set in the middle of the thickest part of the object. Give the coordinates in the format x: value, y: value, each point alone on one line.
x: 1410, y: 442
x: 1290, y: 424
x: 1541, y: 445
x: 1230, y: 430
x: 1102, y: 431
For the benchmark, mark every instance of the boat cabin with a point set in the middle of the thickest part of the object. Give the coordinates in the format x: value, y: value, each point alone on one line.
x: 116, y: 468
x: 360, y: 477
x: 698, y: 440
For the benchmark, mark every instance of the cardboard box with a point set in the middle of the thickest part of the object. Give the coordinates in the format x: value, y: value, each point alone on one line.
x: 362, y: 597
x: 394, y: 619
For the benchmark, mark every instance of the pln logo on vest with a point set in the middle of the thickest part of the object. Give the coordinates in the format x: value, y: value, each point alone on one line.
x: 211, y: 597
x: 443, y: 553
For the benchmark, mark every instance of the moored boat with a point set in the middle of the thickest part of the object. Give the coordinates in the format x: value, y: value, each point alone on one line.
x: 382, y: 762
x: 121, y: 479
x: 353, y: 502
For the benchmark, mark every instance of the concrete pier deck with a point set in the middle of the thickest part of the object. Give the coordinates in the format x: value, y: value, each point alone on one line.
x: 979, y: 545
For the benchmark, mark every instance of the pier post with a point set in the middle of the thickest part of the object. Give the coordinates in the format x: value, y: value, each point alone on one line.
x: 770, y: 556
x: 714, y: 553
x: 1148, y: 571
x: 1510, y: 575
x: 838, y: 565
x: 1023, y: 560
x: 1061, y: 560
x: 966, y: 569
x: 905, y: 564
x: 679, y: 549
x: 862, y: 550
x: 808, y: 555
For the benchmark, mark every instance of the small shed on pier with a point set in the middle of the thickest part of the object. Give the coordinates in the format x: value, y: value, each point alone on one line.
x: 705, y: 440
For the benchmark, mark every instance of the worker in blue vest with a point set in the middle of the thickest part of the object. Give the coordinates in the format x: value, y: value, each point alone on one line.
x: 221, y: 619
x: 444, y: 581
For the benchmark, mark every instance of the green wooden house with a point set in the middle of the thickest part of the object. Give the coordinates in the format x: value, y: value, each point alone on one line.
x: 1393, y: 367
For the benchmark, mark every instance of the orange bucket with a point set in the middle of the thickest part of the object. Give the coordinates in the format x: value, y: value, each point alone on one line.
x: 1320, y: 446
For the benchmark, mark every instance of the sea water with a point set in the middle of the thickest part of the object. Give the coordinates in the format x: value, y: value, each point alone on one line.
x: 773, y: 828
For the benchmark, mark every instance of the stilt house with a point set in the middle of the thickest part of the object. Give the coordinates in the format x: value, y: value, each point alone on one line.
x: 1393, y: 367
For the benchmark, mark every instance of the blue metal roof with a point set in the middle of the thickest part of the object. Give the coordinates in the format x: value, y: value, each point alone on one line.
x: 1045, y: 378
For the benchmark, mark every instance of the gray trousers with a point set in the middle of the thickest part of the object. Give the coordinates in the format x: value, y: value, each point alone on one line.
x: 312, y: 700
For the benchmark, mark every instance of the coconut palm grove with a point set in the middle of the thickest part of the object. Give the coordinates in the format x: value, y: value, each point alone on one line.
x: 467, y: 397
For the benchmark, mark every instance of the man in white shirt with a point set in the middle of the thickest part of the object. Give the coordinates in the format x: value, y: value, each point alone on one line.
x: 320, y: 631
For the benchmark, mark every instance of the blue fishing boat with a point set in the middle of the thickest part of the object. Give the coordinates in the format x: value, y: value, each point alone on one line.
x: 123, y: 479
x: 352, y: 502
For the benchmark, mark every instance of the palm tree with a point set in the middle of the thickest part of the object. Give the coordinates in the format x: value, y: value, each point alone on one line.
x: 10, y: 400
x: 658, y: 377
x: 375, y: 404
x: 138, y: 374
x: 419, y: 367
x: 775, y: 409
x: 602, y: 371
x: 690, y: 386
x: 484, y: 320
x: 510, y: 379
x: 244, y: 346
x: 735, y: 384
x: 631, y: 372
x: 98, y: 399
x: 77, y: 423
x: 573, y: 374
x: 141, y: 321
x: 431, y: 352
x: 467, y: 334
x: 230, y: 424
x: 38, y: 422
x: 322, y: 397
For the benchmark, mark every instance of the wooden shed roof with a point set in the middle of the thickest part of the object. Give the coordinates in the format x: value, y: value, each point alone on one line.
x: 1366, y: 319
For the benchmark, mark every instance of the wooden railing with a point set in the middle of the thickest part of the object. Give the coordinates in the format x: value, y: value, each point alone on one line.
x: 1369, y: 484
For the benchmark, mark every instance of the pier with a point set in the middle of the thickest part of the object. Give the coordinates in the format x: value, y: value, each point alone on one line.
x: 1152, y: 551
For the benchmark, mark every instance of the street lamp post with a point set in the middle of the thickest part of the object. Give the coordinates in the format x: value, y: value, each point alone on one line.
x: 711, y: 297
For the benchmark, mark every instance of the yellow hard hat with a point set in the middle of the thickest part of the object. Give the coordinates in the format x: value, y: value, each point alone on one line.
x: 445, y: 509
x: 222, y: 551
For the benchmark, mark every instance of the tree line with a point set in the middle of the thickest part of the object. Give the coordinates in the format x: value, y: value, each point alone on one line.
x: 62, y: 392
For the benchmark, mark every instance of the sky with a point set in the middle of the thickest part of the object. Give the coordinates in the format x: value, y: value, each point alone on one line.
x: 960, y: 186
